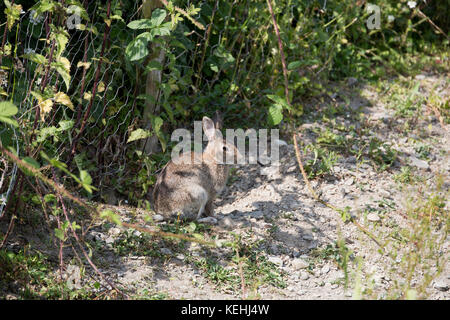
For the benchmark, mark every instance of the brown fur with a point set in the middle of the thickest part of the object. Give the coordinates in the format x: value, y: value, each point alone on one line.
x: 189, y: 188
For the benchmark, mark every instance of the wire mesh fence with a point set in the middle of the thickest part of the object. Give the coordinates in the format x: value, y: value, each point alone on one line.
x: 65, y: 66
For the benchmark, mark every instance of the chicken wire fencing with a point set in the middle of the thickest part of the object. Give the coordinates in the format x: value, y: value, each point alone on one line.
x: 66, y: 66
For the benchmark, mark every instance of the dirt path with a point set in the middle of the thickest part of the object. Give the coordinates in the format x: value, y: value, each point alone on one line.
x: 276, y: 218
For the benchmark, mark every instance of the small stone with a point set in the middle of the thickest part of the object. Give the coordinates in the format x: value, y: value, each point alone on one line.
x: 421, y: 164
x: 272, y: 172
x: 349, y: 181
x: 352, y: 81
x: 304, y: 276
x: 114, y: 231
x: 166, y: 251
x: 299, y: 263
x: 384, y: 193
x: 325, y: 269
x: 226, y: 222
x: 208, y: 220
x: 158, y: 218
x: 137, y: 233
x: 441, y: 285
x: 307, y: 237
x: 296, y: 253
x: 180, y: 256
x: 373, y: 217
x: 313, y: 245
x: 275, y: 260
x: 257, y: 214
x: 351, y: 159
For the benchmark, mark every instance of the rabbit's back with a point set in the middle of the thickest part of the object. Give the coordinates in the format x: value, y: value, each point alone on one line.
x: 183, y: 186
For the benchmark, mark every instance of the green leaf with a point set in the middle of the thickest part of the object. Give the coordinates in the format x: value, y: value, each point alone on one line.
x: 50, y: 197
x: 62, y: 66
x: 294, y: 65
x: 214, y: 67
x: 65, y: 125
x: 138, y: 48
x: 138, y: 134
x: 86, y: 181
x: 8, y: 109
x: 275, y: 114
x: 153, y: 65
x: 35, y: 57
x: 140, y: 24
x: 9, y: 121
x: 279, y: 100
x: 59, y: 234
x: 157, y: 122
x: 85, y: 177
x: 33, y: 163
x: 158, y: 16
x: 222, y: 53
x: 111, y: 216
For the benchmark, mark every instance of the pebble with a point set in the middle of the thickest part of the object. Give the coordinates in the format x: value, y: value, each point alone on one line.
x: 304, y: 276
x: 349, y: 181
x: 299, y: 263
x: 158, y: 218
x: 257, y: 214
x: 208, y: 220
x: 307, y: 237
x: 275, y: 260
x: 384, y: 193
x: 114, y: 231
x: 373, y: 217
x: 166, y: 251
x: 325, y: 269
x: 441, y: 285
x: 421, y: 164
x: 180, y: 257
x: 272, y: 172
x: 227, y: 222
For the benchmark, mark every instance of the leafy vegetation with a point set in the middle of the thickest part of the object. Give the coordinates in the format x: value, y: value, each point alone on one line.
x: 86, y: 86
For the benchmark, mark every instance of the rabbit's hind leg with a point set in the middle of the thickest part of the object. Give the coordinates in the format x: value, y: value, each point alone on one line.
x: 200, y: 197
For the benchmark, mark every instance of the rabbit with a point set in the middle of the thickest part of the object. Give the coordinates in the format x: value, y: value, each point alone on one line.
x: 187, y: 187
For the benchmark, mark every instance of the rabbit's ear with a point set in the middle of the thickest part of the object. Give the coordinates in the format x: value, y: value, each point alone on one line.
x: 208, y: 127
x: 218, y: 120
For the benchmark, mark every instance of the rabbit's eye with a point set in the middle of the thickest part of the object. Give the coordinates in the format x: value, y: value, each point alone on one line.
x: 224, y: 148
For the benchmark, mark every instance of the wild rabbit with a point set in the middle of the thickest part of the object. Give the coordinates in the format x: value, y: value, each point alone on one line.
x: 189, y: 187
